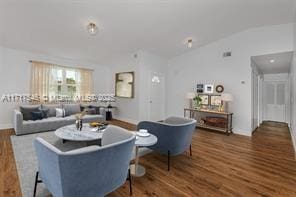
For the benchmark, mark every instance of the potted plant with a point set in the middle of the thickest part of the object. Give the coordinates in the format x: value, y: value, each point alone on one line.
x: 197, y: 100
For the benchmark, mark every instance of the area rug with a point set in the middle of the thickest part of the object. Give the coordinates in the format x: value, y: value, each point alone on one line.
x: 26, y: 161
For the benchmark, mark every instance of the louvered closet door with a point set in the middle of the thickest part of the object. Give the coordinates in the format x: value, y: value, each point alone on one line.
x: 275, y: 101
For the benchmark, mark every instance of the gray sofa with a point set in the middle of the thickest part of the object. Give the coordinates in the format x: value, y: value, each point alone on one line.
x: 23, y: 126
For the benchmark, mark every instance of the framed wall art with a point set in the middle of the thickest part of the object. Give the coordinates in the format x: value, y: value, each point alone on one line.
x: 216, y: 100
x: 124, y: 84
x: 200, y: 88
x: 204, y: 99
x: 209, y: 89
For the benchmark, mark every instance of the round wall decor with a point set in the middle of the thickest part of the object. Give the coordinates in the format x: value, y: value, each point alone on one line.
x: 219, y: 88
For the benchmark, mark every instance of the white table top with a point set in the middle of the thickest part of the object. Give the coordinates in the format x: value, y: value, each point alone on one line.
x: 146, y: 141
x: 72, y: 134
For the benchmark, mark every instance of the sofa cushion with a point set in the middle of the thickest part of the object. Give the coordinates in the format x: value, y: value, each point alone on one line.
x: 71, y: 109
x: 27, y: 109
x: 51, y: 109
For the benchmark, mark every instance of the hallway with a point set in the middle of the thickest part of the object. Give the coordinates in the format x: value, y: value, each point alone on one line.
x: 275, y: 137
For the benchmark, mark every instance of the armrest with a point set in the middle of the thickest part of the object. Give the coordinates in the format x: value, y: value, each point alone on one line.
x: 18, y: 121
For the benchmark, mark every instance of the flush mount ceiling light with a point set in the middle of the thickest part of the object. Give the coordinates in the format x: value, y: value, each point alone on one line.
x: 92, y: 28
x: 271, y: 61
x: 189, y: 43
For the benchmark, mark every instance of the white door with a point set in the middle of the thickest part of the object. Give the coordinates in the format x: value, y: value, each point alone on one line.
x: 156, y: 97
x: 275, y: 101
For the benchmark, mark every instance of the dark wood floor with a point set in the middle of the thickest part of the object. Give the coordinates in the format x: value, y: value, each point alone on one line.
x: 221, y: 165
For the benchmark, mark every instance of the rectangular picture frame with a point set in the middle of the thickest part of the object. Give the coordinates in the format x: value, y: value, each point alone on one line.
x: 205, y: 99
x: 215, y: 100
x: 124, y: 84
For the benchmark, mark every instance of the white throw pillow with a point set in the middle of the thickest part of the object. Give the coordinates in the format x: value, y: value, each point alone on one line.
x: 60, y: 112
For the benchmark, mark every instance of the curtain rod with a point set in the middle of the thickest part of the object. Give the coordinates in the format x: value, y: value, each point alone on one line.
x: 31, y: 61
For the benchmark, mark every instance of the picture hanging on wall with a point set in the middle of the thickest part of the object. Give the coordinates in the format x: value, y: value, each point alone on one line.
x: 216, y: 100
x: 204, y: 99
x: 200, y: 88
x: 124, y: 85
x: 209, y: 89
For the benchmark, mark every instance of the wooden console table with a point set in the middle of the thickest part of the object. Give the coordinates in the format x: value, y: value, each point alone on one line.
x: 208, y: 119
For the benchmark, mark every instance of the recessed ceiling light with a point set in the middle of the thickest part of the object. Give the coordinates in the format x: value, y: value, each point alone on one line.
x: 189, y: 43
x: 92, y: 28
x: 271, y: 61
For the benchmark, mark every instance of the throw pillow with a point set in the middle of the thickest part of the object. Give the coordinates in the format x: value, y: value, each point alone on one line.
x: 60, y: 112
x: 44, y: 112
x: 91, y: 111
x: 36, y: 115
x: 51, y: 108
x: 97, y: 109
x: 26, y: 111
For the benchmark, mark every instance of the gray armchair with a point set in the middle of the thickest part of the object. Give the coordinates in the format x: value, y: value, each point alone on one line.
x: 89, y: 171
x: 174, y: 135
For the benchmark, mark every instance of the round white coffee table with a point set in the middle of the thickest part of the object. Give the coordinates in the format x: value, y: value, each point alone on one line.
x: 137, y: 169
x: 70, y: 133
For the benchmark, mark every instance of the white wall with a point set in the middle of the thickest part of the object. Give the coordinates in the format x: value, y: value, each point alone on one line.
x: 127, y: 108
x: 149, y: 63
x: 293, y: 91
x: 205, y: 64
x: 136, y: 109
x: 15, y: 77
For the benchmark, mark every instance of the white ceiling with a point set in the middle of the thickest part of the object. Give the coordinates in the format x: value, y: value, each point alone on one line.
x: 58, y: 28
x: 282, y: 63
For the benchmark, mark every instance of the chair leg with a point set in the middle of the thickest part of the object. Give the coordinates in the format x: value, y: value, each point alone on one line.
x: 190, y: 149
x: 168, y: 160
x: 130, y: 182
x: 36, y: 182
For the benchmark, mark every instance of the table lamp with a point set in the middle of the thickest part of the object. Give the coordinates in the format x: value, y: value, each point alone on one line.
x: 190, y: 96
x: 226, y: 97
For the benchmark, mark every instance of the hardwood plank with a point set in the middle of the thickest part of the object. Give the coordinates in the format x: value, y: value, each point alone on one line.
x: 221, y: 165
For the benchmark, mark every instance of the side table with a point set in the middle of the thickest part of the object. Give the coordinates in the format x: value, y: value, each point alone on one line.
x: 137, y: 169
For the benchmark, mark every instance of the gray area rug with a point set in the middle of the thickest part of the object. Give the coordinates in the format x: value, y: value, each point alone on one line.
x: 26, y: 161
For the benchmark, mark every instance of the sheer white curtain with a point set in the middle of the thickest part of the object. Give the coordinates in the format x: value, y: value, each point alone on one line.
x: 42, y: 77
x: 46, y: 77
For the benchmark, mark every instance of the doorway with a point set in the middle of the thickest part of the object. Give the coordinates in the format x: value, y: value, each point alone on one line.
x: 275, y: 102
x: 156, y: 109
x: 271, y: 88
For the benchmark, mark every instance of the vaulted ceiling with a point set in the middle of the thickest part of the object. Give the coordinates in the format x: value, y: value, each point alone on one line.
x: 58, y: 28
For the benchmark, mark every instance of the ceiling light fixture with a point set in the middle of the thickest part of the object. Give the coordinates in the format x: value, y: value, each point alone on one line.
x: 189, y: 43
x: 92, y: 28
x: 271, y: 61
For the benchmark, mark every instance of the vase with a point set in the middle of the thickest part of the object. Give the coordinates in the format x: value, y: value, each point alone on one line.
x: 78, y: 124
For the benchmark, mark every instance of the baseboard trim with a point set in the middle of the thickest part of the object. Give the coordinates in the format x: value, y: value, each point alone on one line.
x: 135, y: 122
x: 293, y: 136
x: 6, y: 126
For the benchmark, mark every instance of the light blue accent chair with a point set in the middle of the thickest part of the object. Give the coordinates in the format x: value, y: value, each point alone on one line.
x: 174, y: 135
x: 92, y: 171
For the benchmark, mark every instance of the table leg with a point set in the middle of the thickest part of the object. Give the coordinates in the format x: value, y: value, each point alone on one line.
x: 136, y: 169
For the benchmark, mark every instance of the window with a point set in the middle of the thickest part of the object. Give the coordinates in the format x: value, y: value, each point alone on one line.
x: 52, y: 82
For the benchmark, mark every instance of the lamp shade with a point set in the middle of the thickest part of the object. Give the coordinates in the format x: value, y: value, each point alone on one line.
x: 190, y: 95
x: 226, y: 97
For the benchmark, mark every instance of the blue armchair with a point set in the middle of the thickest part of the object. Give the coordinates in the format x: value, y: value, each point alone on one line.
x: 174, y: 135
x: 89, y: 171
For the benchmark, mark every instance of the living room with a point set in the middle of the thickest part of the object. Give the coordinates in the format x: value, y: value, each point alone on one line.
x: 144, y: 62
